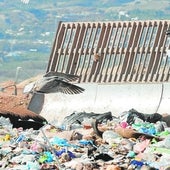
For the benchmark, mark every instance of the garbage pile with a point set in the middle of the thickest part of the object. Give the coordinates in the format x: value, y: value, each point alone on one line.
x: 88, y: 141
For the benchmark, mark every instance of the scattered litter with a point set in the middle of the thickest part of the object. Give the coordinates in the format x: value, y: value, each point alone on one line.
x: 126, y: 142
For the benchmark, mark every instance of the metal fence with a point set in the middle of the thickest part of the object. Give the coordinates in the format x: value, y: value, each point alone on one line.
x: 103, y: 52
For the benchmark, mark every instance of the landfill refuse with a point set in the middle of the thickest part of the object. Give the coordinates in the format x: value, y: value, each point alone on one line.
x: 108, y: 144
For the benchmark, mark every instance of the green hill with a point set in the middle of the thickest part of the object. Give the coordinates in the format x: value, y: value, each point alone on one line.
x: 28, y: 30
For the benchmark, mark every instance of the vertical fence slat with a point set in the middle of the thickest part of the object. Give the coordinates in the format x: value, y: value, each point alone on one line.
x: 99, y: 52
x: 104, y: 48
x: 139, y: 60
x: 157, y: 56
x: 80, y: 52
x: 118, y: 55
x: 146, y: 52
x: 127, y: 51
x: 66, y: 56
x: 152, y: 58
x: 53, y: 57
x: 112, y: 54
x: 87, y: 57
x: 105, y: 67
x: 62, y: 48
x: 79, y: 39
x: 91, y: 72
x: 122, y: 51
x: 75, y: 28
x: 134, y: 49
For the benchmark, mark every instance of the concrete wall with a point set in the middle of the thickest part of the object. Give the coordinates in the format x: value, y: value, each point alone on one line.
x: 117, y: 98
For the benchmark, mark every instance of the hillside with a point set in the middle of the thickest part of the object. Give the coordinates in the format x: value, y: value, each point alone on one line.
x: 28, y: 30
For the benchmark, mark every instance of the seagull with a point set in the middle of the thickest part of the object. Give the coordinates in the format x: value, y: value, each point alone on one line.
x: 53, y: 82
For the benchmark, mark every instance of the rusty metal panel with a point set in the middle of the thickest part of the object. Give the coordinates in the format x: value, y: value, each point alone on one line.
x: 119, y: 51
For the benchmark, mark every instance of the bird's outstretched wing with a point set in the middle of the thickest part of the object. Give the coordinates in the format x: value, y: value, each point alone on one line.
x: 62, y: 76
x: 53, y: 85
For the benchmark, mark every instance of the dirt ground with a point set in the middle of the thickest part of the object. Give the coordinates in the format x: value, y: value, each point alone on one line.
x: 9, y: 100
